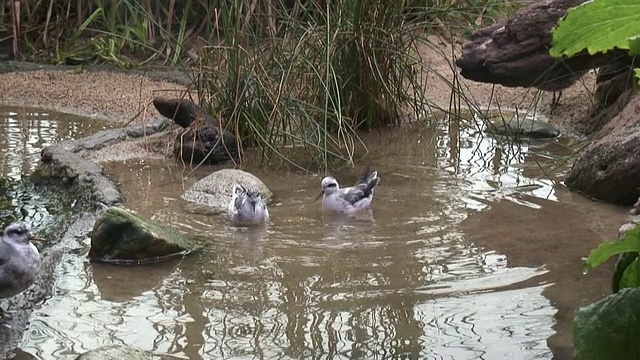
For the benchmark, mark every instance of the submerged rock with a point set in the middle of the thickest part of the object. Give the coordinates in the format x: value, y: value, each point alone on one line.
x: 609, y: 169
x: 527, y: 128
x: 203, y: 139
x: 214, y: 190
x: 115, y: 352
x: 121, y: 237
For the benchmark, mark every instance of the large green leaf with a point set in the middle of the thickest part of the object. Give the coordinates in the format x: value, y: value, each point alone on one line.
x: 621, y: 278
x: 598, y: 26
x: 631, y: 276
x: 608, y: 329
x: 634, y: 45
x: 630, y: 243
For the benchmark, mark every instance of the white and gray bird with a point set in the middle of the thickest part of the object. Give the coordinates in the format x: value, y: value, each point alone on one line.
x: 247, y: 207
x: 19, y: 259
x: 352, y: 199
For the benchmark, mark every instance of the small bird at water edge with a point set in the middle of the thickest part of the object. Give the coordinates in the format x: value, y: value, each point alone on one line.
x: 352, y: 199
x: 247, y: 207
x: 556, y: 85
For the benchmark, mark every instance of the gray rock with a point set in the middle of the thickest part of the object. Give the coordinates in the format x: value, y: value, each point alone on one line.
x: 123, y: 238
x: 214, y: 190
x: 101, y: 139
x: 609, y: 168
x: 85, y: 178
x: 526, y: 128
x: 116, y: 352
x: 153, y: 126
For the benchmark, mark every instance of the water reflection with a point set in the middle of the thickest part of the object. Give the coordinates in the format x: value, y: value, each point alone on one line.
x: 402, y: 282
x: 24, y: 133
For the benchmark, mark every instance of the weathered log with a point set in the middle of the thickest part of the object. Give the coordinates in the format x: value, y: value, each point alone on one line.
x: 203, y: 139
x: 183, y: 112
x: 515, y: 51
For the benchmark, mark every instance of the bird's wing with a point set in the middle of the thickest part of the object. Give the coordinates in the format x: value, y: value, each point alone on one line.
x: 238, y: 202
x: 6, y: 252
x: 356, y: 193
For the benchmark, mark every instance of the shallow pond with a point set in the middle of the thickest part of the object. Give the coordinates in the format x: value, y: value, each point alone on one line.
x: 24, y: 132
x: 472, y: 252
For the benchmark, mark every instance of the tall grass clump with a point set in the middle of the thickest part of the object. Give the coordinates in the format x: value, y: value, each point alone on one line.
x: 120, y: 32
x: 304, y: 78
x: 295, y: 79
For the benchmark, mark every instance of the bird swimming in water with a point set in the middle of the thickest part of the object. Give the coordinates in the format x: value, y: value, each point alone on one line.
x: 352, y: 199
x: 247, y: 207
x: 19, y: 260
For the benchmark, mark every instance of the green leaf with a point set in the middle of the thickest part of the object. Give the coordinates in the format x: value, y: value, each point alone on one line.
x: 630, y: 243
x: 620, y: 277
x: 631, y: 276
x: 608, y: 329
x: 598, y: 26
x: 638, y: 73
x: 634, y: 45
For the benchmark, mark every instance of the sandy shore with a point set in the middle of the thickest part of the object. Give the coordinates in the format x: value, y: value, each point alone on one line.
x: 119, y: 96
x: 113, y: 96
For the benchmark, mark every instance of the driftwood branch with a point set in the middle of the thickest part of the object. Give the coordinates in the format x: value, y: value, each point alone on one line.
x: 515, y: 51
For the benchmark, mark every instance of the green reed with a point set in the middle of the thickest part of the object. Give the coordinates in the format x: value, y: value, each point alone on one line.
x: 296, y: 80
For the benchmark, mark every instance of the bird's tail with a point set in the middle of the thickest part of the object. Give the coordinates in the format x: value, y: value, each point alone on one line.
x: 369, y: 178
x: 364, y: 177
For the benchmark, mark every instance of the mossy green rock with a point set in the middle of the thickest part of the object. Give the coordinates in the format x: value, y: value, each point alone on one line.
x: 121, y: 237
x: 114, y: 352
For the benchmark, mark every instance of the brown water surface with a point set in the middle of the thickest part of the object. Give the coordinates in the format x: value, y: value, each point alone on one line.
x: 472, y: 252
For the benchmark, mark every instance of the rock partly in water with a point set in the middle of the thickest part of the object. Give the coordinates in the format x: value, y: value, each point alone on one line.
x: 609, y: 169
x: 116, y: 352
x: 110, y: 137
x: 203, y: 140
x: 66, y: 162
x: 214, y: 191
x: 121, y: 237
x: 153, y: 126
x: 522, y: 128
x: 85, y: 178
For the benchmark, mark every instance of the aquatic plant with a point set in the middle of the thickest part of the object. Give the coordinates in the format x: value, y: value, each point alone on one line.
x: 607, y: 329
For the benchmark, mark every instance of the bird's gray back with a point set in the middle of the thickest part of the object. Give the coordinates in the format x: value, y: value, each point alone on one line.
x: 17, y: 272
x: 354, y: 194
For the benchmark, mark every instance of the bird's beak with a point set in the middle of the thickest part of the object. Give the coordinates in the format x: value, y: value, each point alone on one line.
x: 35, y: 238
x: 319, y: 196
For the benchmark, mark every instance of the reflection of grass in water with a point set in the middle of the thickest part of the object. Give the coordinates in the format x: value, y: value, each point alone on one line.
x: 24, y: 200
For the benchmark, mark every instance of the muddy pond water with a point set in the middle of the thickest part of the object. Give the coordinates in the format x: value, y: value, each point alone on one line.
x: 472, y: 252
